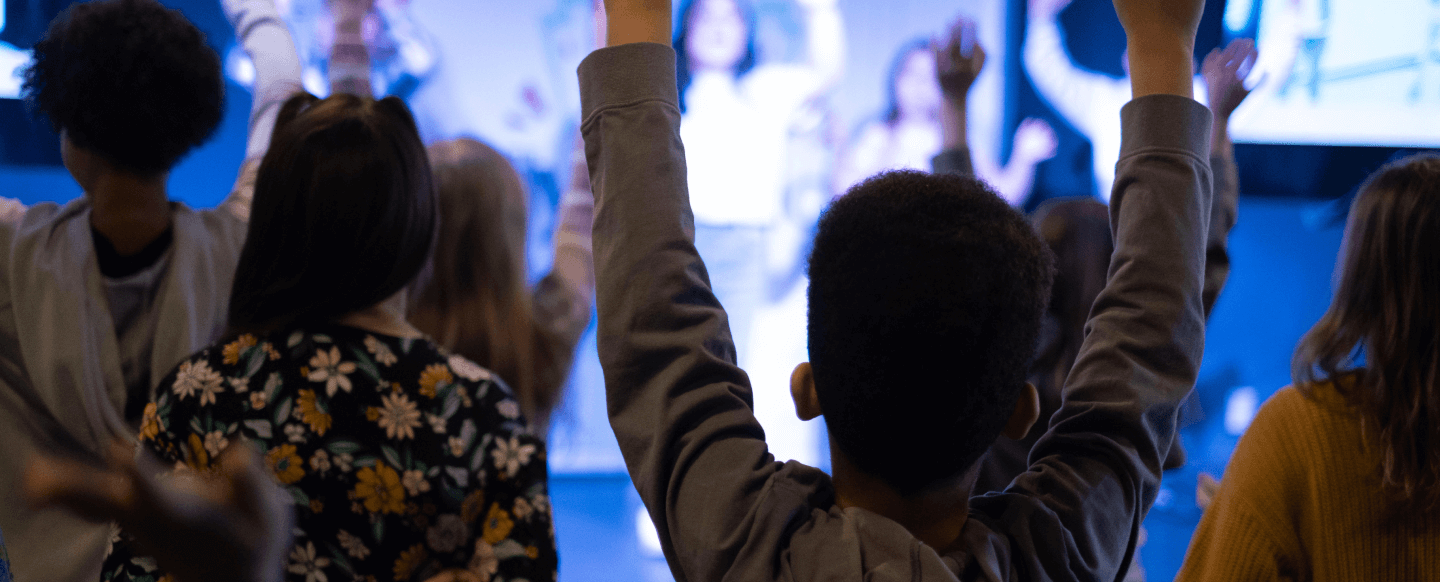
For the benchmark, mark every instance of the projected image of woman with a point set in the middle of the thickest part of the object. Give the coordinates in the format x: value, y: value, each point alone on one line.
x: 908, y: 135
x: 737, y: 116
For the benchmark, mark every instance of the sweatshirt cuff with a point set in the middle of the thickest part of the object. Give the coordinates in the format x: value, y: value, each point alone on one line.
x: 627, y: 74
x: 1165, y: 121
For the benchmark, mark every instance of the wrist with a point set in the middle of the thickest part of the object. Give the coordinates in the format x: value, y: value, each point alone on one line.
x: 1162, y: 67
x: 638, y: 26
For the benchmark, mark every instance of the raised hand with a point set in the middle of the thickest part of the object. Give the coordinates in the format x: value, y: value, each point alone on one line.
x: 1035, y: 141
x: 959, y: 60
x: 230, y: 526
x: 630, y: 21
x: 1161, y: 35
x: 1225, y: 71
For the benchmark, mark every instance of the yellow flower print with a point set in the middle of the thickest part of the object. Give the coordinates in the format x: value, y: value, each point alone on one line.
x: 270, y: 352
x: 399, y: 417
x: 532, y: 552
x: 497, y: 525
x: 431, y: 379
x: 311, y: 414
x: 409, y: 560
x: 317, y: 506
x: 233, y: 349
x: 196, y: 458
x: 151, y: 425
x: 285, y: 464
x: 380, y: 489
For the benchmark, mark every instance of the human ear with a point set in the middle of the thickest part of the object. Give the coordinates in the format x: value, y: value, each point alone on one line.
x: 802, y: 391
x: 1027, y: 411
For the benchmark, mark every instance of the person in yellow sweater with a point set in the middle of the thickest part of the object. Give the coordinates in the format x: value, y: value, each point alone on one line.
x: 1338, y: 477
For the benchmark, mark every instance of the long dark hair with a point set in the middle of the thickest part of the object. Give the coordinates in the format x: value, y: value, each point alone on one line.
x: 344, y: 214
x: 1379, y: 343
x: 475, y: 300
x: 682, y: 34
x: 892, y: 108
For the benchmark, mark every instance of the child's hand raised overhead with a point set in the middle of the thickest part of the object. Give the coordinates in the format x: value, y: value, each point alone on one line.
x: 1225, y: 71
x: 629, y: 21
x: 1161, y: 35
x: 959, y: 60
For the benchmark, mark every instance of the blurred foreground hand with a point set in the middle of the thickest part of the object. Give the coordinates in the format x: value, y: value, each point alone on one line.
x: 232, y: 524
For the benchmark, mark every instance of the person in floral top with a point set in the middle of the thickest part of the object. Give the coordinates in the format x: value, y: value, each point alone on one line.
x: 404, y: 462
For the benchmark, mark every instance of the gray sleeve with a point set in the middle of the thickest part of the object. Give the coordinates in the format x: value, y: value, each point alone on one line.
x: 1095, y: 473
x: 680, y: 407
x: 953, y: 161
x: 1223, y: 216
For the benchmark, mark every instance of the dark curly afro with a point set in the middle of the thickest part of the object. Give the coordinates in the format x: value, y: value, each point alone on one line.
x: 926, y: 296
x: 130, y: 80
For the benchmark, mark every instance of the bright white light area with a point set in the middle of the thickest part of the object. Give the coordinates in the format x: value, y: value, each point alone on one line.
x: 646, y: 536
x: 12, y: 63
x: 1240, y: 409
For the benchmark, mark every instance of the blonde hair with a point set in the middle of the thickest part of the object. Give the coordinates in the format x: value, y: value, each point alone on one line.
x: 474, y: 299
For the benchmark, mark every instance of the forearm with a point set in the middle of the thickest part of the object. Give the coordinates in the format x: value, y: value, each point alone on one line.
x: 825, y: 40
x: 574, y: 255
x: 1223, y: 216
x: 263, y: 35
x: 954, y: 131
x: 1063, y: 85
x: 1099, y: 464
x: 350, y: 57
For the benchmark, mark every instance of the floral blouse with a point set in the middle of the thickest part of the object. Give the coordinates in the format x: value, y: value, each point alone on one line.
x: 402, y: 460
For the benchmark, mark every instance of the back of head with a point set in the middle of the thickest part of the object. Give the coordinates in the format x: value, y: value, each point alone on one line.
x: 474, y: 299
x: 343, y: 217
x: 926, y: 294
x: 1077, y: 230
x: 1380, y: 339
x: 130, y: 80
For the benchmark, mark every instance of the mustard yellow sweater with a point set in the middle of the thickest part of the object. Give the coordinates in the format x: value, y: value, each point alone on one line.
x: 1301, y: 500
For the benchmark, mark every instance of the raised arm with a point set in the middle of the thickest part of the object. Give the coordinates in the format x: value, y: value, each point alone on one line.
x: 349, y: 57
x: 825, y: 43
x: 1097, y: 469
x: 1224, y: 72
x: 265, y: 37
x: 959, y: 59
x: 680, y: 408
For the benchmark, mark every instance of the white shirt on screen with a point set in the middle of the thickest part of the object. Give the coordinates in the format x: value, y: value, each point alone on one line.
x: 736, y: 133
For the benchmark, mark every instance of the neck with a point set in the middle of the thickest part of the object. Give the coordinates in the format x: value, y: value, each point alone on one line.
x: 935, y: 516
x: 386, y: 317
x: 130, y: 211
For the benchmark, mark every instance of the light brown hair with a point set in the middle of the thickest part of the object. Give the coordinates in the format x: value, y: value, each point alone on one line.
x: 474, y: 299
x: 1379, y: 343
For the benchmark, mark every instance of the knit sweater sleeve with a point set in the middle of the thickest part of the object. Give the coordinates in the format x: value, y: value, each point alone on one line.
x: 1247, y: 533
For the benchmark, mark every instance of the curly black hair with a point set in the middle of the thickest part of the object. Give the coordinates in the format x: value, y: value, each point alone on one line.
x: 926, y: 299
x: 130, y: 80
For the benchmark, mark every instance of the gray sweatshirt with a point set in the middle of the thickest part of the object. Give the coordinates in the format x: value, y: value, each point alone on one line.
x: 682, y: 410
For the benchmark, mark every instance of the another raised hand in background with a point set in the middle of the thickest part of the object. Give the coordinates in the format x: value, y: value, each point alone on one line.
x: 1225, y: 71
x: 349, y: 68
x: 959, y: 59
x: 1161, y: 37
x: 231, y: 525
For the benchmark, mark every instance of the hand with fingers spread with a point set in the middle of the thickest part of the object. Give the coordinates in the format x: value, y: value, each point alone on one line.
x: 959, y: 60
x: 1225, y: 71
x: 230, y: 526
